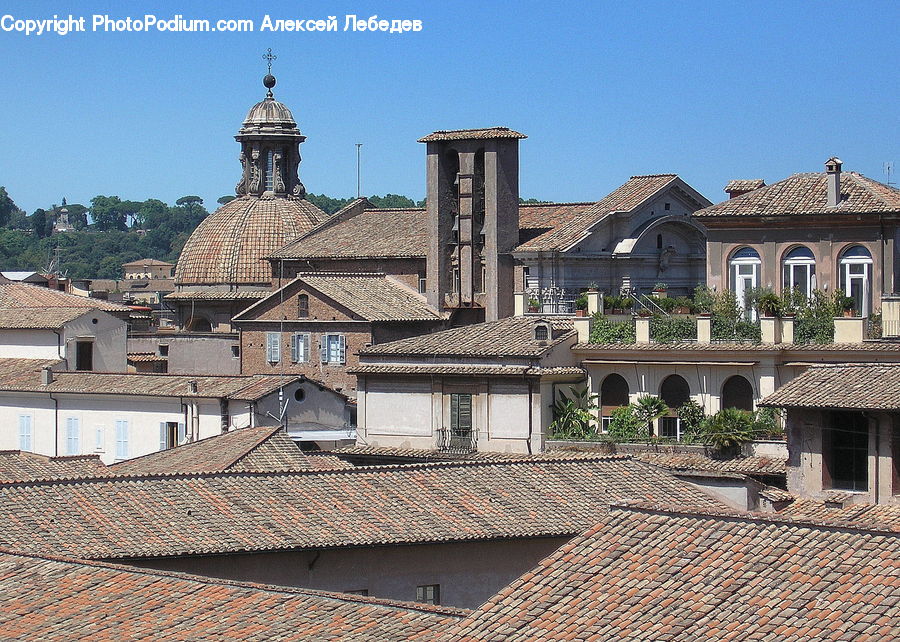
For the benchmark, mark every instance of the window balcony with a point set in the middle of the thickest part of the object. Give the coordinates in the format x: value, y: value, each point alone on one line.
x: 458, y: 442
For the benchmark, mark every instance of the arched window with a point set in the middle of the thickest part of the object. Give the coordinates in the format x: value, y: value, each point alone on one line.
x: 799, y: 271
x: 856, y: 278
x: 743, y: 268
x: 675, y: 391
x: 199, y: 324
x: 737, y: 392
x: 303, y: 306
x: 613, y: 394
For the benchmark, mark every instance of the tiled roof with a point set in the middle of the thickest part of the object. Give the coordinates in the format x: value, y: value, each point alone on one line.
x: 462, y: 369
x: 62, y: 599
x: 743, y: 465
x: 231, y: 244
x: 435, y: 455
x: 326, y: 461
x: 744, y: 185
x: 511, y: 336
x: 803, y: 194
x: 370, y: 295
x: 24, y: 375
x: 143, y: 262
x: 355, y: 232
x: 215, y: 295
x: 145, y: 357
x: 679, y: 347
x: 259, y: 449
x: 17, y: 465
x: 24, y: 295
x: 367, y: 506
x: 868, y: 386
x: 624, y: 198
x: 38, y: 318
x: 872, y: 516
x: 681, y: 576
x: 468, y: 134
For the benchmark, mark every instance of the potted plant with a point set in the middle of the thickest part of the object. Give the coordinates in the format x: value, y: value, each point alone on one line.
x: 615, y: 304
x: 769, y: 304
x: 581, y: 305
x: 644, y: 312
x: 683, y: 305
x: 534, y: 305
x: 847, y: 303
x: 627, y: 303
x: 660, y: 290
x: 594, y: 287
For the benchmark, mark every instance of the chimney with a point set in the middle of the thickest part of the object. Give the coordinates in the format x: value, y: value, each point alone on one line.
x: 737, y: 188
x: 46, y: 376
x: 833, y: 178
x: 193, y: 387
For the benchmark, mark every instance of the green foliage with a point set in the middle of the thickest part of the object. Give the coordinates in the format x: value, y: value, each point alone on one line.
x: 581, y: 302
x: 767, y: 424
x: 107, y: 213
x: 815, y: 317
x: 704, y: 299
x: 684, y: 302
x: 224, y: 200
x: 7, y: 207
x: 624, y: 426
x: 605, y: 331
x: 573, y: 416
x: 728, y: 428
x: 666, y: 304
x: 692, y: 415
x: 669, y: 329
x: 531, y: 201
x: 649, y: 408
x: 392, y: 201
x: 728, y: 323
x: 768, y: 303
x: 661, y: 286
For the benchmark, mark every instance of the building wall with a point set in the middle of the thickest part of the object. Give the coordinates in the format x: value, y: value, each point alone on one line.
x: 405, y: 270
x: 310, y: 409
x: 109, y: 336
x: 468, y: 573
x: 826, y: 241
x: 806, y: 459
x: 30, y: 344
x: 97, y: 416
x: 189, y: 353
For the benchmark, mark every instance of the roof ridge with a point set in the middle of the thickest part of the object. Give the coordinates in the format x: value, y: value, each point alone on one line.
x: 653, y: 175
x: 259, y: 442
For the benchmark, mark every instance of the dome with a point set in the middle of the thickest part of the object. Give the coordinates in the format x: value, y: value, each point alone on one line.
x: 230, y: 245
x: 270, y: 117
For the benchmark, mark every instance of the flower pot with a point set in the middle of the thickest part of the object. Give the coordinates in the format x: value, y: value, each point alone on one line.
x: 580, y: 313
x: 848, y: 313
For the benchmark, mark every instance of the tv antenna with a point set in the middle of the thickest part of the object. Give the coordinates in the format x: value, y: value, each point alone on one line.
x: 888, y: 169
x: 358, y: 146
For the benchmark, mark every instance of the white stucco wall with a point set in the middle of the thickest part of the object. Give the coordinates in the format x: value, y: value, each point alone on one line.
x: 29, y: 344
x: 109, y: 336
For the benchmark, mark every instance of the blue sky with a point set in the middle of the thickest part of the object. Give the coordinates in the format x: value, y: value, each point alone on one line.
x: 710, y: 90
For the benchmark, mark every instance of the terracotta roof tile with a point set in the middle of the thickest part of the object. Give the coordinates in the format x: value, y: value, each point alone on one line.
x: 870, y: 386
x: 258, y: 449
x: 38, y: 318
x: 57, y: 598
x: 143, y: 262
x: 644, y: 574
x: 511, y: 336
x: 463, y: 370
x: 17, y: 465
x: 24, y: 295
x: 370, y: 295
x: 217, y: 295
x: 873, y: 516
x: 242, y: 512
x: 743, y: 465
x: 468, y: 134
x: 744, y: 185
x: 230, y: 245
x: 805, y: 194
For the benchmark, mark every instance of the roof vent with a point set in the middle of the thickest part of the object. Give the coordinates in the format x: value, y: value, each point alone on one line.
x: 192, y: 385
x: 737, y: 188
x: 833, y: 177
x: 541, y: 331
x: 46, y: 376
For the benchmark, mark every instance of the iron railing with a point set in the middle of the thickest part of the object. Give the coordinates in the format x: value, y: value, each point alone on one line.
x: 457, y: 441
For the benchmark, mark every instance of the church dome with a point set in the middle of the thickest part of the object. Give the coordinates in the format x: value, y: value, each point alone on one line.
x: 229, y: 247
x: 269, y: 117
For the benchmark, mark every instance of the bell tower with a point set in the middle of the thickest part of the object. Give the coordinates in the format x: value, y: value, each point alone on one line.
x: 270, y: 147
x: 473, y: 220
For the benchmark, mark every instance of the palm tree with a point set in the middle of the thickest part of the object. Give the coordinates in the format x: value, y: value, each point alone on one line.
x: 649, y: 408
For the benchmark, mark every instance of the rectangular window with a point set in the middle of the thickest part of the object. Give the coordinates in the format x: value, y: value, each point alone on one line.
x: 300, y: 347
x: 845, y: 452
x: 423, y: 284
x: 171, y: 434
x: 84, y: 355
x: 428, y: 594
x: 303, y: 306
x: 461, y: 413
x: 164, y: 349
x: 358, y: 592
x: 273, y: 347
x: 235, y: 352
x: 670, y: 427
x: 454, y: 286
x: 72, y: 436
x: 483, y: 287
x: 334, y: 348
x: 121, y: 439
x: 25, y: 433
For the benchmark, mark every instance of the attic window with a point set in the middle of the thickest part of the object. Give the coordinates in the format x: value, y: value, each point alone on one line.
x: 303, y: 306
x: 668, y: 206
x: 541, y: 332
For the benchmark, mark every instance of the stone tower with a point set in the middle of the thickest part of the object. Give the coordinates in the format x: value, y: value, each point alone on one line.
x: 473, y: 221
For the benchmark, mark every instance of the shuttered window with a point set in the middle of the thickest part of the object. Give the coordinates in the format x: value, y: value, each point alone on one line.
x: 25, y: 433
x: 461, y: 412
x: 300, y: 347
x: 273, y: 347
x: 72, y: 436
x: 334, y: 348
x: 121, y: 439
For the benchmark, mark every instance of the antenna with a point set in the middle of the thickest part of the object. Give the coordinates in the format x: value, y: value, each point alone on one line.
x: 888, y: 169
x: 358, y: 145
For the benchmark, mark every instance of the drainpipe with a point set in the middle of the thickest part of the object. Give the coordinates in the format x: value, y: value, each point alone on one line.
x: 59, y: 348
x: 530, y: 414
x: 55, y: 425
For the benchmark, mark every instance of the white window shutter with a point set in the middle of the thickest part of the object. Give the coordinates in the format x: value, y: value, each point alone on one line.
x: 182, y: 434
x: 121, y: 439
x: 343, y: 344
x: 306, y: 341
x: 324, y: 355
x: 163, y: 435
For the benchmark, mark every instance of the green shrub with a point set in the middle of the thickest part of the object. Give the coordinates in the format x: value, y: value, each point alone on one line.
x: 606, y: 331
x: 573, y: 416
x: 624, y: 426
x: 649, y: 408
x: 728, y: 428
x: 684, y: 302
x: 666, y: 305
x: 669, y: 329
x: 704, y: 299
x: 692, y: 415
